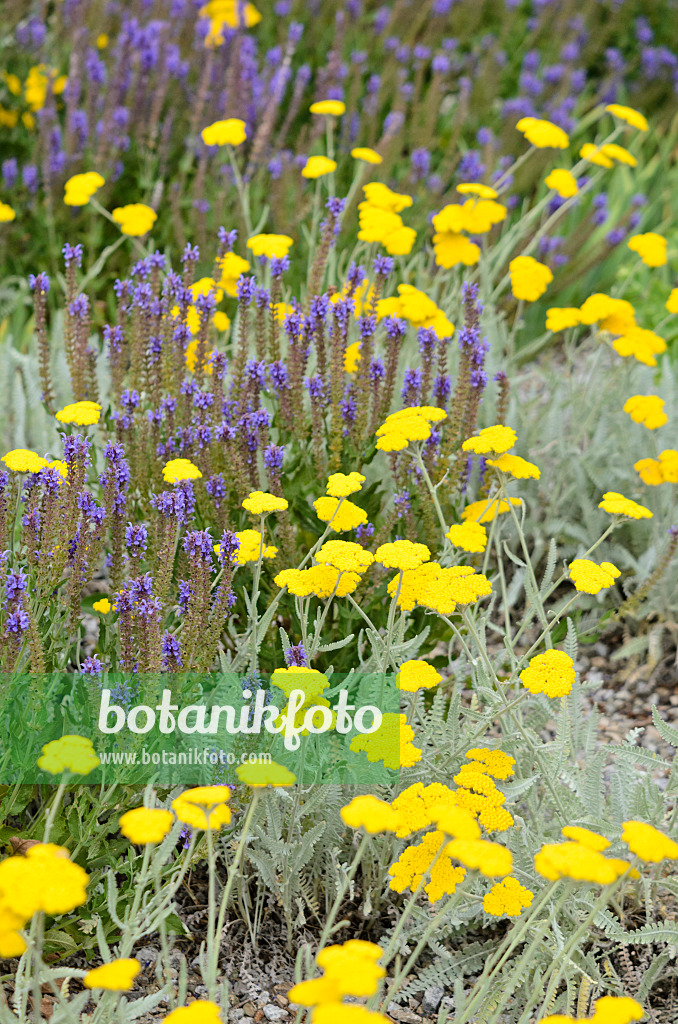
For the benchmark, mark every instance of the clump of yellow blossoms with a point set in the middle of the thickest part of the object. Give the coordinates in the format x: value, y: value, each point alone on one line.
x: 516, y: 466
x: 391, y: 743
x: 648, y: 843
x: 261, y: 775
x: 79, y: 189
x: 440, y: 589
x: 408, y: 871
x: 411, y: 424
x: 300, y: 677
x: 334, y: 108
x: 341, y: 514
x: 22, y: 460
x: 418, y: 309
x: 529, y: 278
x: 507, y: 897
x: 380, y: 220
x: 628, y: 114
x: 590, y: 578
x: 261, y: 502
x: 484, y: 510
x: 144, y: 825
x: 608, y: 1010
x: 578, y: 862
x: 497, y: 440
x: 402, y: 554
x: 232, y: 267
x: 271, y: 246
x: 318, y: 166
x: 543, y: 134
x: 83, y: 414
x: 584, y: 836
x: 117, y: 976
x: 203, y: 807
x: 469, y: 536
x: 177, y: 470
x: 135, y: 219
x: 340, y: 485
x: 70, y: 753
x: 663, y: 470
x: 563, y: 182
x: 370, y: 813
x: 200, y: 1011
x: 345, y: 556
x: 320, y: 580
x: 230, y: 132
x: 364, y: 153
x: 646, y: 409
x: 348, y: 970
x: 475, y: 216
x: 417, y: 675
x: 551, y: 673
x: 651, y: 248
x: 103, y: 606
x: 607, y: 155
x: 617, y: 505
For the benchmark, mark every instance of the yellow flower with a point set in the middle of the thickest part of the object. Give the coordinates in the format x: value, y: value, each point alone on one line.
x: 230, y: 132
x: 370, y: 813
x: 452, y: 248
x: 200, y: 1011
x: 203, y: 807
x: 369, y: 156
x: 340, y: 485
x: 250, y: 548
x: 83, y: 414
x: 343, y: 1013
x: 299, y: 677
x: 595, y: 155
x: 22, y: 460
x: 484, y: 511
x: 102, y: 41
x: 560, y: 318
x: 491, y: 859
x: 507, y: 897
x: 605, y: 156
x: 222, y: 323
x: 135, y: 219
x: 6, y: 213
x: 668, y: 462
x: 231, y: 266
x: 580, y: 863
x: 402, y: 554
x: 180, y: 469
x: 521, y: 469
x: 551, y: 673
x: 648, y: 843
x: 271, y: 246
x: 103, y: 606
x: 416, y: 806
x: 345, y: 556
x: 75, y: 753
x: 616, y: 1010
x: 650, y: 471
x: 261, y: 502
x: 468, y: 536
x: 651, y: 248
x: 497, y: 440
x: 391, y: 743
x: 35, y: 89
x: 671, y: 302
x: 42, y: 880
x: 628, y: 114
x: 617, y: 505
x: 259, y: 775
x: 497, y: 763
x: 342, y: 514
x: 543, y: 134
x: 455, y: 822
x: 415, y: 861
x: 318, y: 166
x: 146, y: 824
x: 117, y: 976
x: 646, y: 409
x: 641, y: 344
x: 474, y: 188
x: 583, y: 836
x: 380, y: 195
x: 529, y: 278
x: 348, y: 970
x: 563, y: 182
x: 352, y: 357
x: 79, y: 189
x: 334, y: 107
x: 611, y: 313
x: 590, y: 578
x: 417, y: 675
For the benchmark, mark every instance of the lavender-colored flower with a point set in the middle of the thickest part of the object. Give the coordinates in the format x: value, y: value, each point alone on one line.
x: 92, y: 666
x: 171, y: 652
x: 72, y: 254
x: 296, y: 655
x: 136, y: 537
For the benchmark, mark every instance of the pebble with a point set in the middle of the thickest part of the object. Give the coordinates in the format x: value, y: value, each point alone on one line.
x: 402, y: 1014
x: 432, y: 998
x: 274, y: 1013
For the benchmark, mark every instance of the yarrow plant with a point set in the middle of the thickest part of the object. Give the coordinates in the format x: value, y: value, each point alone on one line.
x: 298, y: 455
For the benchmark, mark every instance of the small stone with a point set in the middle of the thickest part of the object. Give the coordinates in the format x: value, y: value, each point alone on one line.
x: 274, y: 1013
x: 236, y: 1014
x: 432, y: 998
x: 402, y: 1014
x: 249, y: 1008
x: 146, y: 955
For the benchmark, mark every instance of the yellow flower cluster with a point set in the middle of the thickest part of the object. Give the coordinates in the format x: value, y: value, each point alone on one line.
x: 646, y: 409
x: 469, y: 536
x: 476, y: 217
x: 42, y: 880
x: 391, y: 743
x: 176, y: 470
x: 22, y: 460
x: 607, y: 1010
x: 402, y: 555
x: 484, y: 510
x: 380, y: 220
x: 651, y: 248
x: 370, y: 813
x: 516, y: 466
x: 590, y: 578
x: 82, y: 414
x: 260, y: 775
x: 551, y: 673
x: 616, y: 316
x: 203, y: 807
x: 529, y: 278
x: 440, y: 589
x: 250, y: 548
x: 320, y: 581
x: 135, y: 219
x: 663, y: 470
x: 477, y: 791
x: 333, y: 108
x: 417, y: 806
x: 543, y: 134
x: 417, y: 675
x: 607, y: 155
x: 563, y: 182
x: 411, y: 424
x: 79, y: 189
x: 271, y: 246
x: 617, y: 505
x: 345, y: 556
x: 69, y: 753
x: 340, y: 485
x: 230, y: 132
x: 408, y: 871
x: 259, y: 503
x: 116, y: 976
x: 507, y: 897
x: 232, y: 267
x: 144, y: 825
x: 417, y: 308
x: 497, y: 440
x: 229, y: 14
x: 629, y: 115
x: 648, y: 843
x: 578, y: 862
x: 318, y: 167
x: 349, y: 970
